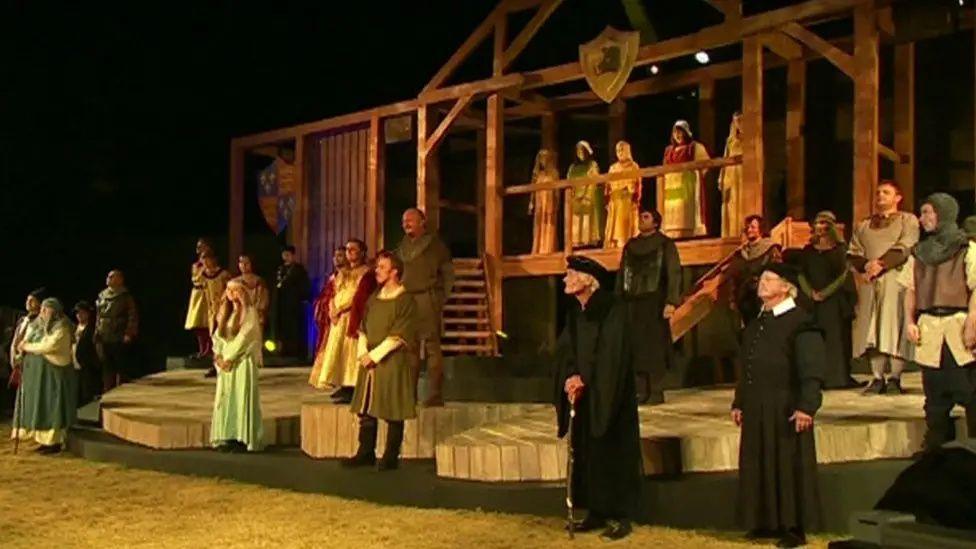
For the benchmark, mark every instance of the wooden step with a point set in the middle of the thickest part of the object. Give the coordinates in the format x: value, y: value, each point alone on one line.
x: 467, y: 295
x: 469, y: 283
x: 467, y: 263
x: 469, y: 273
x: 480, y: 334
x: 475, y: 308
x: 465, y: 320
x: 457, y: 348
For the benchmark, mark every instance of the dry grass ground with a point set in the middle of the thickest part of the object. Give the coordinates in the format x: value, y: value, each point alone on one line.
x: 63, y: 501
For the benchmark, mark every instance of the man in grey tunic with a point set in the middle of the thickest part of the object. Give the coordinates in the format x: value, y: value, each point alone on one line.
x: 428, y: 276
x: 880, y: 246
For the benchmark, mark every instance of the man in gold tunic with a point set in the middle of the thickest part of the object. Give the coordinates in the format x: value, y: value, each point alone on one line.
x: 730, y: 181
x: 623, y: 200
x: 544, y: 205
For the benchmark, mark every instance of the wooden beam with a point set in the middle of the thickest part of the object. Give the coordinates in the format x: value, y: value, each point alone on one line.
x: 904, y: 121
x: 479, y: 87
x: 866, y: 115
x: 650, y: 171
x: 512, y: 6
x: 710, y: 37
x: 428, y: 169
x: 375, y: 183
x: 494, y: 185
x: 435, y: 138
x: 300, y: 215
x: 796, y: 104
x: 782, y: 45
x: 459, y: 206
x: 706, y: 115
x: 531, y: 28
x: 888, y: 153
x: 838, y: 57
x: 616, y: 124
x: 462, y: 53
x: 886, y: 21
x: 753, y: 163
x: 235, y: 231
x: 480, y: 166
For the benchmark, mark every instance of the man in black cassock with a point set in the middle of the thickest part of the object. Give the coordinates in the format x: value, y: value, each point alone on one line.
x: 288, y: 305
x: 649, y: 282
x: 595, y: 374
x: 779, y: 392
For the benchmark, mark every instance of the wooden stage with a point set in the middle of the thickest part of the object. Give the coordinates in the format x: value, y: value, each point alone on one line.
x: 508, y: 442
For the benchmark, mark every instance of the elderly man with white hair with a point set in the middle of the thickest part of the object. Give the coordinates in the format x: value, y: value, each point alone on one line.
x: 595, y: 377
x: 778, y: 394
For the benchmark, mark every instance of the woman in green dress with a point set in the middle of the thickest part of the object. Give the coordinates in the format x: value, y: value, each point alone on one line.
x: 586, y: 202
x: 48, y: 403
x: 236, y: 424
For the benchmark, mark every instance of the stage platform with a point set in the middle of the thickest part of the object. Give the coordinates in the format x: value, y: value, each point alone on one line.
x: 508, y: 442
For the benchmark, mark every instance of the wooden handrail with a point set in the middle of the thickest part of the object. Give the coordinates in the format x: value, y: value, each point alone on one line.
x: 489, y: 269
x: 651, y: 171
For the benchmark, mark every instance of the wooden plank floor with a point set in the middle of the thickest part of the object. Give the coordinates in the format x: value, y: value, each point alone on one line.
x: 691, y: 432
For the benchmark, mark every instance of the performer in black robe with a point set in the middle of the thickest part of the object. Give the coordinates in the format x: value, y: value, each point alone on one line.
x: 827, y: 290
x: 288, y: 299
x: 649, y: 281
x: 756, y: 252
x: 775, y: 401
x: 85, y: 354
x: 595, y: 371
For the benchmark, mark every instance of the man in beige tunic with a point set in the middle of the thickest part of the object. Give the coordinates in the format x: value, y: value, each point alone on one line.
x: 880, y: 246
x: 428, y: 276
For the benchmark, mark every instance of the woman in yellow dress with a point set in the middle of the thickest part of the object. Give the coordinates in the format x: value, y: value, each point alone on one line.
x: 211, y: 280
x: 681, y: 195
x: 544, y: 204
x: 623, y: 200
x: 730, y: 181
x: 197, y: 314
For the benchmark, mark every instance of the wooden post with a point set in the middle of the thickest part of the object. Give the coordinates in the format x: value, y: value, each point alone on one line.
x: 616, y: 127
x: 904, y: 122
x: 550, y: 135
x: 865, y: 109
x: 375, y: 183
x: 428, y: 168
x: 480, y: 148
x: 300, y: 215
x: 494, y: 184
x: 796, y: 100
x: 752, y: 128
x: 236, y: 229
x: 706, y: 116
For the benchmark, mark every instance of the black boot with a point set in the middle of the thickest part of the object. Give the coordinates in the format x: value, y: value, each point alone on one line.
x: 616, y: 529
x: 394, y: 440
x: 893, y: 386
x: 366, y: 453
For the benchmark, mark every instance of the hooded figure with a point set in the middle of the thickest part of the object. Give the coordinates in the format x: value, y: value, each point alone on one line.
x: 940, y: 317
x: 586, y: 202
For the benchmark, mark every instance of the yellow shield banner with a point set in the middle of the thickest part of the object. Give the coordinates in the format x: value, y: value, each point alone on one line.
x: 607, y: 61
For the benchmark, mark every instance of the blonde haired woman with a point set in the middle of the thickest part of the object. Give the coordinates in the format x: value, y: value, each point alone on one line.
x: 236, y: 424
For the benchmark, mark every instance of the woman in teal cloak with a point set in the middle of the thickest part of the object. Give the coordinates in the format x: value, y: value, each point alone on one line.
x: 236, y: 424
x: 48, y: 403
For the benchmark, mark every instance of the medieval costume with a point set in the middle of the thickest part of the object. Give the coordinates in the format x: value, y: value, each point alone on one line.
x: 940, y: 277
x: 623, y: 200
x: 730, y: 181
x: 648, y: 280
x: 85, y: 357
x: 586, y: 202
x: 782, y: 374
x: 335, y: 364
x: 21, y: 330
x: 386, y: 389
x: 237, y: 401
x: 681, y: 195
x: 745, y: 269
x: 595, y: 346
x: 208, y: 289
x: 49, y: 395
x: 544, y: 205
x: 257, y: 293
x: 116, y: 326
x: 428, y: 277
x: 828, y: 292
x: 879, y: 320
x: 291, y: 290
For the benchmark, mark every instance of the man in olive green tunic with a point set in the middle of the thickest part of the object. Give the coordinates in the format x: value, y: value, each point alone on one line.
x: 385, y: 386
x: 428, y: 276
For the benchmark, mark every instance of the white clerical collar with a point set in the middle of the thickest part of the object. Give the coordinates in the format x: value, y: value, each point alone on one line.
x: 784, y: 306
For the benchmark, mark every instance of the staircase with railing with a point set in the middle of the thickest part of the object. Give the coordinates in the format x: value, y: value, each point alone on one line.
x: 466, y: 326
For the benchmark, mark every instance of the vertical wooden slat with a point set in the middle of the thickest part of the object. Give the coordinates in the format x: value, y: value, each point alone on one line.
x: 333, y: 197
x: 354, y: 185
x: 324, y: 163
x: 796, y: 98
x: 494, y: 173
x: 479, y: 153
x: 236, y: 228
x: 752, y: 127
x: 866, y: 115
x: 422, y: 133
x: 904, y: 121
x: 364, y: 201
x: 344, y: 183
x: 300, y: 215
x: 373, y: 183
x: 706, y: 115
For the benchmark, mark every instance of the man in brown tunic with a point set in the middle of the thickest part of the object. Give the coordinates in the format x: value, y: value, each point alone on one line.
x: 428, y: 276
x: 879, y: 248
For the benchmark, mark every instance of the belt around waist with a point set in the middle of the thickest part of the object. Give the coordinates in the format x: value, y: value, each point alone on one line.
x: 943, y: 311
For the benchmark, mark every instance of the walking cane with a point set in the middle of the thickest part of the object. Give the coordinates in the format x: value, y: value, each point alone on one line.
x: 569, y: 472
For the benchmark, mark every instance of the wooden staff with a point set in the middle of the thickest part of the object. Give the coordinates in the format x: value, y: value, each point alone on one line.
x: 18, y: 409
x: 571, y: 525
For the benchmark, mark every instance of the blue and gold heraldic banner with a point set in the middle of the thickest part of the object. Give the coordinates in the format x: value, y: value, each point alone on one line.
x: 276, y: 194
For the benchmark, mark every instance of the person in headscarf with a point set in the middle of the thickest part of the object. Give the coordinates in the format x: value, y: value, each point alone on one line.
x: 23, y: 328
x: 776, y: 399
x: 236, y: 423
x: 827, y: 290
x: 623, y: 200
x: 48, y: 403
x: 594, y: 375
x: 756, y: 253
x: 681, y: 195
x: 116, y: 328
x: 730, y: 181
x: 940, y: 317
x: 544, y: 205
x: 586, y: 202
x: 880, y: 246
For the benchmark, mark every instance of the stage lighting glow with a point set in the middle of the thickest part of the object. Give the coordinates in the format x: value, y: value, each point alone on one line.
x: 702, y: 57
x: 655, y: 69
x: 271, y: 346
